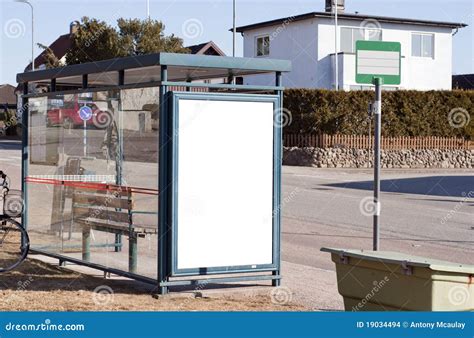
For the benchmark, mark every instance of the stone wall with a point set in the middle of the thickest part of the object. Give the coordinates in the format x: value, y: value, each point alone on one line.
x: 361, y: 158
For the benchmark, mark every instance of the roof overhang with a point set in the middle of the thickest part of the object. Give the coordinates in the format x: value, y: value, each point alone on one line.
x: 147, y: 68
x: 347, y: 16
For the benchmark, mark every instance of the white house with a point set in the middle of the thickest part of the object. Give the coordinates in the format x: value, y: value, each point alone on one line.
x: 308, y: 40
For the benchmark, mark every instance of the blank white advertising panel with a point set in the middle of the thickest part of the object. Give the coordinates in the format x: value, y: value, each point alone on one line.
x: 225, y: 183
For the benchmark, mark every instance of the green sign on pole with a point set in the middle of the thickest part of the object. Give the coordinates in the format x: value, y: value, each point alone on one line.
x: 378, y: 63
x: 378, y: 59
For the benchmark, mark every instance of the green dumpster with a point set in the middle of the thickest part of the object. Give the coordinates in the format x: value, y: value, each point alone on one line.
x: 392, y: 281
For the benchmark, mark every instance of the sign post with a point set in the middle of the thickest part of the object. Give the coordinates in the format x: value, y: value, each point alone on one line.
x: 378, y: 63
x: 378, y: 136
x: 85, y: 113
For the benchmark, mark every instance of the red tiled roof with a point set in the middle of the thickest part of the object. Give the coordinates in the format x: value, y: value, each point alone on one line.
x: 59, y: 48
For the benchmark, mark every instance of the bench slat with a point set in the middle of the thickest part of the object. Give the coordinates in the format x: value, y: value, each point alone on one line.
x: 111, y: 191
x: 100, y: 213
x: 108, y: 201
x: 100, y: 225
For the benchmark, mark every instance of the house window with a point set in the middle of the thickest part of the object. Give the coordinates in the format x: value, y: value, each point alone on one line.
x: 349, y: 36
x: 422, y: 45
x: 263, y: 46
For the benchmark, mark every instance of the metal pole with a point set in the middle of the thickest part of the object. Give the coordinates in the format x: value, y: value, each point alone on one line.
x: 85, y: 84
x: 234, y: 32
x: 378, y: 135
x: 277, y: 192
x: 148, y: 9
x: 32, y: 38
x: 336, y: 42
x: 25, y: 153
x: 164, y: 163
x: 84, y: 139
x: 32, y: 33
x: 233, y: 29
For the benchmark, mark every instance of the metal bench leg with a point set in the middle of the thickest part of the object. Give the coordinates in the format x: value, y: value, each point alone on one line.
x: 132, y: 253
x: 86, y: 243
x: 118, y: 242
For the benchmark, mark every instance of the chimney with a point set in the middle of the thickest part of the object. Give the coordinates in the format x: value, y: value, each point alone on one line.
x: 331, y: 5
x: 73, y: 27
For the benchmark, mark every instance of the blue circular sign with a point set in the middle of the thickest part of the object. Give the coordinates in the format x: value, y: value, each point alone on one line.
x: 85, y: 113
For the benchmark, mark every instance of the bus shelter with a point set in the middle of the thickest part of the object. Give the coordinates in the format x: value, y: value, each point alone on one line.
x: 163, y: 168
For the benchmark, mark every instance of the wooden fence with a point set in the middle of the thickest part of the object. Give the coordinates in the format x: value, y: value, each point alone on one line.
x: 364, y: 142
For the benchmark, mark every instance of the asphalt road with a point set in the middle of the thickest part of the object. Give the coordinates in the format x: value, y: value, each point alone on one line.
x: 425, y: 213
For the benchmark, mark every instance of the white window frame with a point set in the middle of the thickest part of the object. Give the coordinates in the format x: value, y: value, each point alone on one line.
x: 421, y: 46
x: 352, y: 28
x: 263, y: 36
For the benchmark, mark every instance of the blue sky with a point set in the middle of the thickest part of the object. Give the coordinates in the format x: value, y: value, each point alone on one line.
x: 212, y: 18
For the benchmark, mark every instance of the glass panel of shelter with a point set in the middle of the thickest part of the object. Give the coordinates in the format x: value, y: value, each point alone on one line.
x: 85, y: 151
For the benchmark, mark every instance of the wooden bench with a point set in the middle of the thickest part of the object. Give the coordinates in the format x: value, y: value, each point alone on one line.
x: 108, y: 211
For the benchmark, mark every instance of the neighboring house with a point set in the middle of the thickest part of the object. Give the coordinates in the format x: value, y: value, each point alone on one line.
x: 206, y: 48
x: 463, y: 81
x: 59, y: 47
x: 308, y: 40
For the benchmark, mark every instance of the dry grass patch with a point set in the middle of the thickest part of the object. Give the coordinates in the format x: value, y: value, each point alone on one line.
x: 37, y: 286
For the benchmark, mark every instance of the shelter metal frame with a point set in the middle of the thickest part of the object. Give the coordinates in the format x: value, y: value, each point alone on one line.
x: 163, y: 70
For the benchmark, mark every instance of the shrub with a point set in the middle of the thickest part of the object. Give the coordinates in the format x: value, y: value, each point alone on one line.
x: 404, y: 113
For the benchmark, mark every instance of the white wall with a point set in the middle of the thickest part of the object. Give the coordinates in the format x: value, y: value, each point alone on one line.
x: 296, y: 42
x: 310, y: 43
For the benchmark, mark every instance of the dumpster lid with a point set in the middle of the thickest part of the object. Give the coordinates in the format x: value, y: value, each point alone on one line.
x: 403, y: 259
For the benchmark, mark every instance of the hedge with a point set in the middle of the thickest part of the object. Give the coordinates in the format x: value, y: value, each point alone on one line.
x: 404, y: 113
